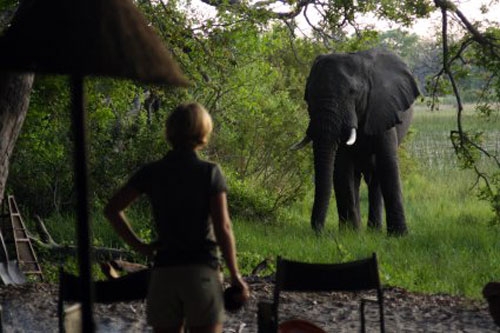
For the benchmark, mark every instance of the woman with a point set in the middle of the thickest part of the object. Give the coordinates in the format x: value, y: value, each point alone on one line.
x: 188, y: 199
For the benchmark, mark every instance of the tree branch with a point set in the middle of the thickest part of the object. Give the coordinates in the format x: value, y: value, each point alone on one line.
x: 446, y: 5
x: 46, y: 242
x: 465, y: 146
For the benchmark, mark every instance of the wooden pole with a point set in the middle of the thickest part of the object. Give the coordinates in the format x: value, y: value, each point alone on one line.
x: 81, y: 182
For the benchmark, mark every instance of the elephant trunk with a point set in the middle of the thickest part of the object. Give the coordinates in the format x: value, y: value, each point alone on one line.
x: 331, y: 124
x: 324, y: 157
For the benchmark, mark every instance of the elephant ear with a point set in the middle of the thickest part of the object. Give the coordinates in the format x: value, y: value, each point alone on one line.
x: 393, y: 90
x: 313, y: 69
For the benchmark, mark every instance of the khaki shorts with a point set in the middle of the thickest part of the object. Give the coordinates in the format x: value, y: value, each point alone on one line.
x: 185, y: 294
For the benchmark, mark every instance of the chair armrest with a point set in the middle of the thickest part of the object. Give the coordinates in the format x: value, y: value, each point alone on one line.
x: 266, y: 319
x: 369, y: 299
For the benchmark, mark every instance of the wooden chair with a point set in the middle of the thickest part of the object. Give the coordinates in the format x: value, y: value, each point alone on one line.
x: 353, y: 276
x: 130, y: 287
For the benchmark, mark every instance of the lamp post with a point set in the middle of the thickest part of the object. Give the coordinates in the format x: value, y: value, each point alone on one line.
x: 80, y: 38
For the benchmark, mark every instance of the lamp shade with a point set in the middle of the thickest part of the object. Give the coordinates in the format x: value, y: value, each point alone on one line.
x: 87, y: 37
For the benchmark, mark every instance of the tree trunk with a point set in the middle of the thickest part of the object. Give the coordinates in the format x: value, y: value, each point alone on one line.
x: 15, y: 92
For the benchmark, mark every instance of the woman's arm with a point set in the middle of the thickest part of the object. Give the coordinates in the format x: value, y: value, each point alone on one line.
x: 225, y: 238
x: 115, y: 213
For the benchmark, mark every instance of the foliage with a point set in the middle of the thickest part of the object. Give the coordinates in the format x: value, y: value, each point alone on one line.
x: 41, y: 165
x: 7, y: 8
x: 252, y: 84
x: 481, y: 54
x: 448, y: 226
x: 248, y: 67
x: 491, y: 194
x: 250, y: 80
x: 488, y: 58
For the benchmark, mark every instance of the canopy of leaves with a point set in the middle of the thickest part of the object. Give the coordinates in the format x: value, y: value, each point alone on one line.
x: 247, y: 62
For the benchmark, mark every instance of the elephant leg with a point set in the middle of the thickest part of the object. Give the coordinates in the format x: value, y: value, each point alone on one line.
x: 346, y: 181
x: 375, y: 200
x: 390, y: 182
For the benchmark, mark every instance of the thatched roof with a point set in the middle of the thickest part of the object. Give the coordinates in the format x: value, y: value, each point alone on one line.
x: 89, y: 37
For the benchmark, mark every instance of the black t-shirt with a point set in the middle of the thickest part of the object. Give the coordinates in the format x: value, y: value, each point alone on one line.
x: 179, y: 187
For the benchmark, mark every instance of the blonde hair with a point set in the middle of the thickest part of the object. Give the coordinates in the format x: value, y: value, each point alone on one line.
x: 189, y: 126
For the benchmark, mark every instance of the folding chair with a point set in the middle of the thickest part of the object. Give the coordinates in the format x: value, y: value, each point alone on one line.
x: 353, y: 276
x: 130, y: 287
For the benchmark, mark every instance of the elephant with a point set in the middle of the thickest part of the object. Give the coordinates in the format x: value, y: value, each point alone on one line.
x: 360, y: 108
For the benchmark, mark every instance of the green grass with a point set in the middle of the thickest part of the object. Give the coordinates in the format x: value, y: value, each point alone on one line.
x: 451, y: 247
x: 430, y: 135
x: 449, y: 250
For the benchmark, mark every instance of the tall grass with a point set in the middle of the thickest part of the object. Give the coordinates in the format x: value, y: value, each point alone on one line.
x: 430, y: 135
x: 451, y: 248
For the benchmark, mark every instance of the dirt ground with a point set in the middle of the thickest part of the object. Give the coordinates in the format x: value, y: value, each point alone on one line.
x: 32, y: 308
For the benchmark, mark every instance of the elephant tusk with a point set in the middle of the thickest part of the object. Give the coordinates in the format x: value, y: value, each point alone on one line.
x: 352, y: 138
x: 301, y: 144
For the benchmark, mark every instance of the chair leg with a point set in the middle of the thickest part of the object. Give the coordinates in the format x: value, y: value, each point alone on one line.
x: 362, y: 315
x: 266, y: 318
x: 381, y: 313
x: 382, y: 318
x: 60, y: 303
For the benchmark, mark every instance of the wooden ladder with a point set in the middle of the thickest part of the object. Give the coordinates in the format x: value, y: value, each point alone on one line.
x: 17, y: 240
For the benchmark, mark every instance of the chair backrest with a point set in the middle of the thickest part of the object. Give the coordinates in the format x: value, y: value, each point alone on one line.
x: 311, y: 277
x: 297, y: 276
x: 350, y: 276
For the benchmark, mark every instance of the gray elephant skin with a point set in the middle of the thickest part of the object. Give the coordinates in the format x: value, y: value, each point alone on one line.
x: 360, y: 107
